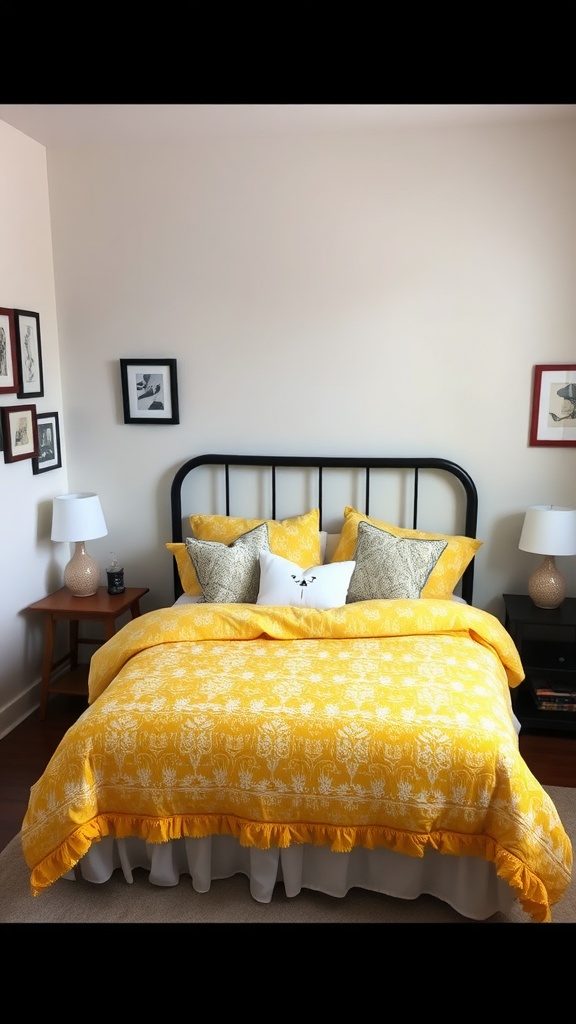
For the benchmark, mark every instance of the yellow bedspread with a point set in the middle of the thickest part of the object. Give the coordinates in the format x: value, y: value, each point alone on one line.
x: 381, y: 723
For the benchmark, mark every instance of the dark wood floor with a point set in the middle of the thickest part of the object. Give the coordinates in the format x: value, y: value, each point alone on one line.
x: 25, y: 752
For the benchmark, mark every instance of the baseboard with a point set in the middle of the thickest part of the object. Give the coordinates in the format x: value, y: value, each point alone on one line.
x: 24, y: 705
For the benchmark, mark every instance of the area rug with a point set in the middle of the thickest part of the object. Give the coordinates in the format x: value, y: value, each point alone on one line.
x: 229, y: 900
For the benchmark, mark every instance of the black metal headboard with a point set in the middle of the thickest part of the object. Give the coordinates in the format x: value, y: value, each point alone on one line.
x: 319, y: 464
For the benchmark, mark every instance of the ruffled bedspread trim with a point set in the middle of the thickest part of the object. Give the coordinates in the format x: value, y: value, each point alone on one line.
x: 530, y: 891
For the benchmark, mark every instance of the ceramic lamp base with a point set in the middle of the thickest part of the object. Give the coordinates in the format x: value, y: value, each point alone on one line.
x: 547, y: 586
x: 82, y: 574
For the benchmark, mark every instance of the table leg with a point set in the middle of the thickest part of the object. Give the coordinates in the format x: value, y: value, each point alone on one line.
x: 109, y: 628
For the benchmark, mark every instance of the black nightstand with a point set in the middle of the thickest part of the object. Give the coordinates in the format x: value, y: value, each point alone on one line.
x: 546, y: 642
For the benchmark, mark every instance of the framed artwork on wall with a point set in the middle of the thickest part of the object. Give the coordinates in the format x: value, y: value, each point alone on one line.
x: 49, y: 452
x: 553, y: 419
x: 9, y: 381
x: 29, y: 354
x: 20, y: 429
x: 149, y: 390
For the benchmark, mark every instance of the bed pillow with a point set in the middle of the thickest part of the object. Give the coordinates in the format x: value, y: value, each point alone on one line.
x: 229, y: 573
x: 298, y: 538
x: 389, y: 567
x: 285, y: 583
x: 186, y: 570
x: 448, y: 570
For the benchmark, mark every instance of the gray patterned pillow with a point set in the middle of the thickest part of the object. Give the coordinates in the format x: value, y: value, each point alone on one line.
x: 389, y: 566
x: 229, y: 573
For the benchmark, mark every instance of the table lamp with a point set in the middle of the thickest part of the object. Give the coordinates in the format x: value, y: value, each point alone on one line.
x: 548, y: 530
x: 77, y: 518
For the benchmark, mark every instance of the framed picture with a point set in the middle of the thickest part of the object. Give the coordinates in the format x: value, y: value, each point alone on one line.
x: 49, y: 453
x: 553, y: 420
x: 20, y: 429
x: 9, y: 380
x: 29, y: 353
x: 149, y: 390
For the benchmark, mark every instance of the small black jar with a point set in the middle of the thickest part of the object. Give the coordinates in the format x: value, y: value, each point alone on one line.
x: 115, y: 580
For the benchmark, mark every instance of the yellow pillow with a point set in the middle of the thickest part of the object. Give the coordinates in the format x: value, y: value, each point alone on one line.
x: 297, y: 539
x: 455, y: 558
x: 186, y: 570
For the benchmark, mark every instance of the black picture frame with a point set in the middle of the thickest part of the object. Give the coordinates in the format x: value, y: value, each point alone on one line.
x: 149, y: 390
x: 49, y: 450
x: 9, y: 379
x: 20, y: 429
x: 29, y: 354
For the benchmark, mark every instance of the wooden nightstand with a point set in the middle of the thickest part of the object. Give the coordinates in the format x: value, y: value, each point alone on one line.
x: 546, y: 642
x: 101, y: 607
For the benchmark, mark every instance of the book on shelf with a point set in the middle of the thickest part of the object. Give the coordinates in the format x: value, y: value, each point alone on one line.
x: 559, y: 695
x: 561, y: 709
x: 552, y: 700
x: 554, y: 693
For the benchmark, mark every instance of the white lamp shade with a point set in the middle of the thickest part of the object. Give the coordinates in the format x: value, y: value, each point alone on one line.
x: 549, y: 530
x: 77, y: 517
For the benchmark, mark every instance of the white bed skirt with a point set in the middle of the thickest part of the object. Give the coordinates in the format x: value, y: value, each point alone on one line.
x: 468, y: 884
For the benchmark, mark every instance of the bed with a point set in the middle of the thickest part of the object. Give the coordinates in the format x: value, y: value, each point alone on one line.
x: 322, y: 706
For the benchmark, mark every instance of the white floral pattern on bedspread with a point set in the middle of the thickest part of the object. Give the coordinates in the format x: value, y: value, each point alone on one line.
x: 383, y: 723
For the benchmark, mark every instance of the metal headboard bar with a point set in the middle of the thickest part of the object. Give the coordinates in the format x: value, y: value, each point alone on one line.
x: 328, y: 462
x: 415, y: 505
x: 273, y: 492
x: 227, y: 479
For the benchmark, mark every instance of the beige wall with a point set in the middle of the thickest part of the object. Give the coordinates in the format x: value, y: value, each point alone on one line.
x: 30, y: 565
x: 380, y: 293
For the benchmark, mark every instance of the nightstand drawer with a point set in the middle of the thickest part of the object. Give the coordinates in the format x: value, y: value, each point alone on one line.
x: 560, y: 657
